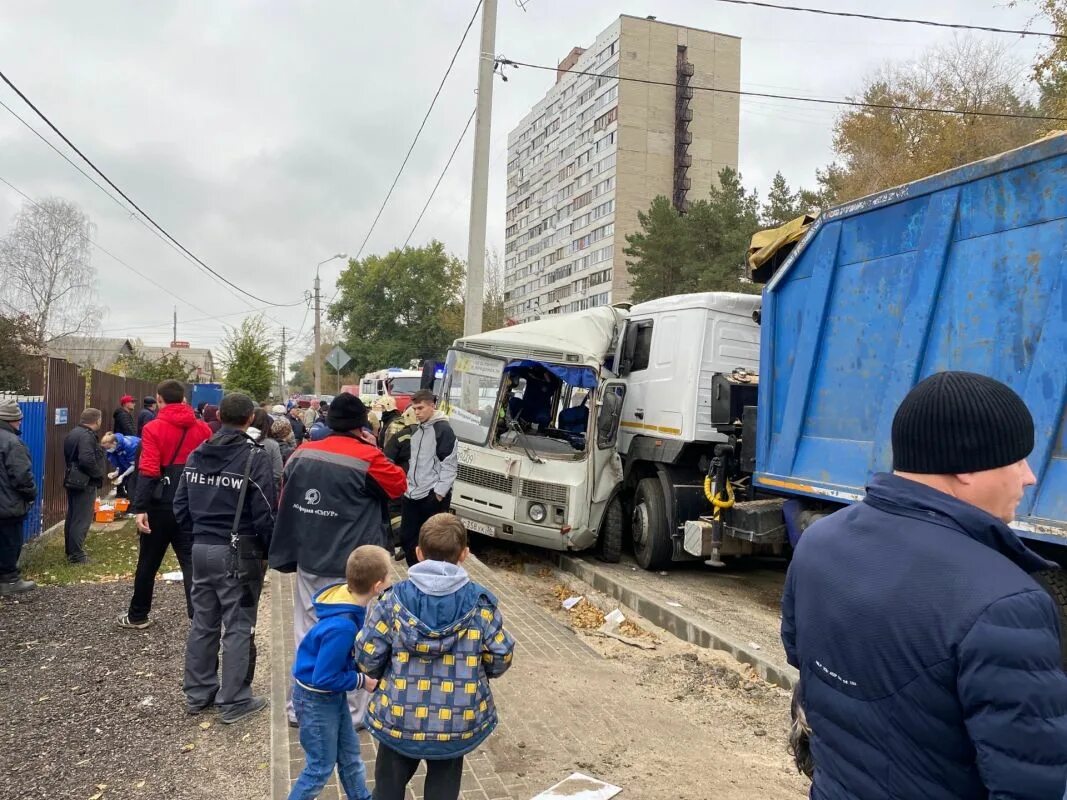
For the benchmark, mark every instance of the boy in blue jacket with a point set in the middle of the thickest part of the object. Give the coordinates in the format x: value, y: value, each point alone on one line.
x: 434, y: 640
x: 325, y: 671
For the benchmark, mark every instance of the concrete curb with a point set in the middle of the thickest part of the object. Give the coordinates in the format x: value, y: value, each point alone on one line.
x: 679, y: 622
x: 279, y: 679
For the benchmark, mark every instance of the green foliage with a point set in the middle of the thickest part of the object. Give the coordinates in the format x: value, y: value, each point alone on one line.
x: 398, y: 307
x: 700, y: 251
x: 249, y: 357
x: 137, y: 365
x: 16, y: 352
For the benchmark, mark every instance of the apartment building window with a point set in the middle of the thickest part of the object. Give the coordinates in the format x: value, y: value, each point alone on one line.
x: 602, y: 122
x: 582, y: 200
x: 602, y: 276
x: 604, y: 164
x: 599, y: 299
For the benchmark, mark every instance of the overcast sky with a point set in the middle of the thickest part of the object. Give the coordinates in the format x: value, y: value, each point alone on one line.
x: 264, y: 134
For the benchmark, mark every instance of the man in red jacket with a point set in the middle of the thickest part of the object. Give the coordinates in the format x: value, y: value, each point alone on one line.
x: 166, y: 443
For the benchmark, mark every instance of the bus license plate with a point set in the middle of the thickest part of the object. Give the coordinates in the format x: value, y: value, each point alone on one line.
x: 478, y: 527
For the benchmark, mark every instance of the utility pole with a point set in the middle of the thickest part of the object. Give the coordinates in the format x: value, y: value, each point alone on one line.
x: 318, y: 340
x: 281, y: 368
x: 174, y: 338
x: 472, y: 317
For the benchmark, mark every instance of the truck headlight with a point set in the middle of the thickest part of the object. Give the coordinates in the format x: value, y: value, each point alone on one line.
x: 537, y: 512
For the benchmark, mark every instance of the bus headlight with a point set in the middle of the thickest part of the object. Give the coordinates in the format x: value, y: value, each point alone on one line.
x: 537, y: 512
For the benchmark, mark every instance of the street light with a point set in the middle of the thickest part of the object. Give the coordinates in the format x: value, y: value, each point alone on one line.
x: 318, y: 324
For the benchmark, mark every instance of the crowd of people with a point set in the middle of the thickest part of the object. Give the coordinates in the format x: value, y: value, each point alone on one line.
x: 332, y: 494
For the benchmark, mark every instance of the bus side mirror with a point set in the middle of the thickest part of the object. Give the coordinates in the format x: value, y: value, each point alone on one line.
x: 629, y: 347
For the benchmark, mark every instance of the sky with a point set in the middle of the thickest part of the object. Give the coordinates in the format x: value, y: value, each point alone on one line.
x: 264, y: 135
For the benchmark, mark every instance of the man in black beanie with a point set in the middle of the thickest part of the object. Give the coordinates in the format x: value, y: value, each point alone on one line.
x: 333, y: 490
x: 929, y: 657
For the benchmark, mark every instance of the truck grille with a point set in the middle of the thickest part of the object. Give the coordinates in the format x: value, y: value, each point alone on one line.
x: 485, y: 479
x: 548, y: 492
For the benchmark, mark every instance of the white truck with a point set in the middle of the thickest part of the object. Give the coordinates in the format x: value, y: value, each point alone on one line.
x: 575, y: 429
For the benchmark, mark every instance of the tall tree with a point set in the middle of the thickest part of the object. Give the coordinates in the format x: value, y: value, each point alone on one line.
x: 17, y: 346
x: 248, y: 356
x: 658, y: 253
x: 783, y: 204
x: 48, y: 274
x: 877, y: 148
x: 1050, y: 67
x: 720, y: 229
x: 702, y: 250
x: 401, y: 306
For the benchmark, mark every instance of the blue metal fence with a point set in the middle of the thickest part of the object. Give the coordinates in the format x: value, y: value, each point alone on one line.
x: 34, y: 414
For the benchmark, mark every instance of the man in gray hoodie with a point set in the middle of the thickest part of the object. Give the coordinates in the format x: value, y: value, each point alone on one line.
x: 431, y: 471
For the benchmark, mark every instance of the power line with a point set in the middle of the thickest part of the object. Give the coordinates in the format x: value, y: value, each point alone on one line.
x: 440, y: 177
x: 418, y: 133
x: 905, y: 20
x: 104, y: 250
x: 429, y: 199
x: 797, y: 98
x: 127, y: 198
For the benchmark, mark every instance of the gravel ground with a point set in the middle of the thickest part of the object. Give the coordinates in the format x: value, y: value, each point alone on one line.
x: 93, y: 712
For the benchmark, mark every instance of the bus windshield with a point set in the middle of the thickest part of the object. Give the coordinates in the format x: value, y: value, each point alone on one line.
x: 470, y: 391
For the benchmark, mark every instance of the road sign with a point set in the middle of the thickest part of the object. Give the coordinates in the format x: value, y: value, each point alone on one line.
x: 338, y: 359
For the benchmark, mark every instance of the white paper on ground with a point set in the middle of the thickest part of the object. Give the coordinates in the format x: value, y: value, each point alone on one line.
x: 579, y: 787
x: 614, y: 619
x: 173, y: 577
x: 672, y: 604
x: 571, y: 602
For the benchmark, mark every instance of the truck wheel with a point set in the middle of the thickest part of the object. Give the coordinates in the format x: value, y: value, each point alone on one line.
x: 1054, y: 581
x: 652, y: 541
x: 610, y: 540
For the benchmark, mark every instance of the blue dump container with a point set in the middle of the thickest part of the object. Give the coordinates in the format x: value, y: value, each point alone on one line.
x: 965, y: 270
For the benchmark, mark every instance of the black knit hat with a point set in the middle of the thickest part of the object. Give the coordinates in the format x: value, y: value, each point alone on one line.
x: 956, y: 422
x: 347, y: 413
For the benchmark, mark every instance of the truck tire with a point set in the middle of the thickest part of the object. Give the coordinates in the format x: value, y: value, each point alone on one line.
x: 609, y: 543
x: 652, y: 540
x: 1054, y: 581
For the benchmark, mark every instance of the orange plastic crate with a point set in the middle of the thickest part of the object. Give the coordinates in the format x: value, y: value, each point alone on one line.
x: 105, y: 516
x: 122, y: 505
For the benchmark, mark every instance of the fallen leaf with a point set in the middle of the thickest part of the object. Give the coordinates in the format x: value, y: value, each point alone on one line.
x: 97, y: 796
x: 188, y: 748
x: 263, y: 765
x: 205, y: 725
x: 139, y: 784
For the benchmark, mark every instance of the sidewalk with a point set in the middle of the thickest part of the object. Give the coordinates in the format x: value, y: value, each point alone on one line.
x: 670, y: 723
x: 524, y: 718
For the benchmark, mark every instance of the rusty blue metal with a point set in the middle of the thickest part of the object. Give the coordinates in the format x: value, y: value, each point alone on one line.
x: 34, y: 413
x: 964, y: 270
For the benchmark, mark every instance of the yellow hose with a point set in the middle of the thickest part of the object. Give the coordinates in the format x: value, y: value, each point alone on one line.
x: 716, y: 500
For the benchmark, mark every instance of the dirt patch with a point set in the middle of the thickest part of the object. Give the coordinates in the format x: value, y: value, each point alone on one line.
x: 91, y: 711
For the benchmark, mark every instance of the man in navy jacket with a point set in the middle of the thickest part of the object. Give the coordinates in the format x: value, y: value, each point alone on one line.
x: 207, y: 503
x: 930, y: 659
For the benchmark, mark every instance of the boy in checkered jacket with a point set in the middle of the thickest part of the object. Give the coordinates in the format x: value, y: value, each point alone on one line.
x: 434, y: 641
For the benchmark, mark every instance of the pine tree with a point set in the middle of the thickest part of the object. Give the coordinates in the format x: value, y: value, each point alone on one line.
x: 659, y: 253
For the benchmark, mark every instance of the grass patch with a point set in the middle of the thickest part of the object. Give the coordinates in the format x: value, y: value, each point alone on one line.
x: 112, y: 551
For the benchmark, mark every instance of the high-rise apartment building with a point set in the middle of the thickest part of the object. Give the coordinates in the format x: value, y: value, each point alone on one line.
x: 597, y: 149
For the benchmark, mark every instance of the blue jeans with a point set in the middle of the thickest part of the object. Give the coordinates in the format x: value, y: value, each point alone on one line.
x: 328, y: 738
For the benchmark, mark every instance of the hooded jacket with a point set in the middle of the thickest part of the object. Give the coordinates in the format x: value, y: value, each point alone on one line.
x: 160, y: 443
x: 326, y: 658
x: 434, y: 458
x: 930, y: 662
x: 434, y: 640
x: 211, y: 417
x: 331, y: 503
x: 125, y: 453
x: 206, y: 500
x: 17, y: 488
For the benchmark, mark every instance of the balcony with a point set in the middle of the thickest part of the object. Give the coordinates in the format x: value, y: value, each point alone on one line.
x: 686, y: 69
x: 685, y: 92
x: 685, y: 115
x: 684, y: 137
x: 683, y: 184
